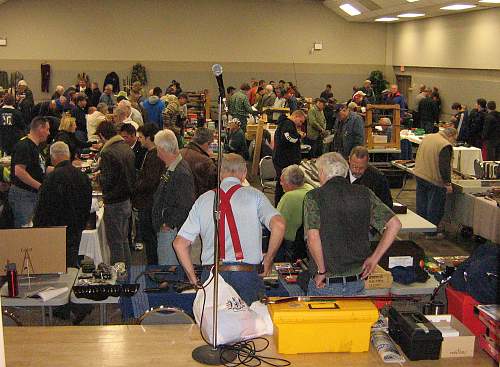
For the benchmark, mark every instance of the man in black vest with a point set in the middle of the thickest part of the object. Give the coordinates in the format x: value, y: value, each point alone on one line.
x: 362, y: 173
x: 337, y: 218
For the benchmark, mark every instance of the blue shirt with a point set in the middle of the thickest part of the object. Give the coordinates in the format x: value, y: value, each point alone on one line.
x: 251, y: 210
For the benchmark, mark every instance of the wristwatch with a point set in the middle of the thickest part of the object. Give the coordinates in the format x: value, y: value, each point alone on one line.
x: 321, y: 273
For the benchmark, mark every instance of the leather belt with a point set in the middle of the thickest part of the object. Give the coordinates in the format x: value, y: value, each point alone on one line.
x: 235, y: 267
x: 351, y: 278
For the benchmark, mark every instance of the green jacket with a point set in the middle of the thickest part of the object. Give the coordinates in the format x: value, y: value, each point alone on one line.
x: 239, y: 105
x: 316, y: 123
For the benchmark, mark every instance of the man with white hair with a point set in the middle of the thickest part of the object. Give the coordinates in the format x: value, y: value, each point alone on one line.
x: 121, y: 116
x: 268, y: 99
x: 337, y: 219
x: 291, y: 208
x: 95, y: 116
x: 173, y: 198
x: 243, y: 212
x: 58, y: 92
x: 107, y: 96
x: 24, y: 99
x: 133, y: 114
x: 433, y: 175
x: 64, y: 199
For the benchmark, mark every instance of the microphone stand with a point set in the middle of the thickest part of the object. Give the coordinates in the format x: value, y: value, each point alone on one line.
x: 212, y: 354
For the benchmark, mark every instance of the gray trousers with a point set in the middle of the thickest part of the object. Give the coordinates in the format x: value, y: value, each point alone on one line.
x: 116, y: 219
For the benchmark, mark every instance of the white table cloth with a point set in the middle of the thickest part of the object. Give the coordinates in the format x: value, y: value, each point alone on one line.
x: 463, y: 159
x: 94, y: 244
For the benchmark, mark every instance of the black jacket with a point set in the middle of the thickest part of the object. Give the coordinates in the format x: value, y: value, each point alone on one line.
x: 428, y: 112
x: 377, y: 182
x: 117, y: 168
x: 64, y: 199
x: 139, y: 153
x: 96, y: 95
x: 174, y: 197
x: 12, y: 128
x: 113, y: 79
x: 148, y: 180
x: 476, y: 125
x: 491, y: 129
x: 286, y: 144
x: 81, y: 120
x: 72, y: 141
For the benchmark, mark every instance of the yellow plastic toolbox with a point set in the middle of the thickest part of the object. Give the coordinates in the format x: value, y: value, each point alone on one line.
x: 322, y: 326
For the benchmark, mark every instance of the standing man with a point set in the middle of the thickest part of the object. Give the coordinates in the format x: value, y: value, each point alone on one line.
x: 316, y: 127
x: 428, y: 112
x: 460, y: 119
x: 117, y: 180
x: 129, y: 135
x: 395, y: 97
x: 12, y: 125
x: 337, y: 235
x: 80, y: 115
x: 148, y: 179
x: 363, y: 173
x: 174, y: 197
x: 108, y: 97
x: 287, y: 146
x: 243, y: 212
x: 153, y: 107
x: 236, y: 142
x: 291, y: 208
x: 327, y: 93
x: 174, y: 116
x: 27, y: 172
x: 476, y: 123
x: 24, y: 102
x: 241, y: 106
x: 491, y: 132
x: 349, y: 131
x: 433, y: 174
x: 197, y: 154
x: 64, y: 200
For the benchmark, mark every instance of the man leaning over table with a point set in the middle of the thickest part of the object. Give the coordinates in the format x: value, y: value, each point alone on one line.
x: 243, y: 212
x: 337, y: 218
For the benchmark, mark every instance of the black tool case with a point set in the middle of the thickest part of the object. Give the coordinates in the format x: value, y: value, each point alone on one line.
x: 418, y: 337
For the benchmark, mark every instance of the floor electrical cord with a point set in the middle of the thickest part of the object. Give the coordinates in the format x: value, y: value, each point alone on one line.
x: 246, y: 351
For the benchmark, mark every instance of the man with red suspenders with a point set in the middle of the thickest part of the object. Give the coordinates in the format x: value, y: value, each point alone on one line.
x: 243, y: 212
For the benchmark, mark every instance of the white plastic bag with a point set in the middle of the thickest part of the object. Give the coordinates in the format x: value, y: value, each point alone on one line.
x: 236, y: 321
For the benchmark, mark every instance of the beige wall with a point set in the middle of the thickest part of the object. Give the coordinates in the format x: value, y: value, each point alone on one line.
x: 181, y: 39
x: 468, y: 40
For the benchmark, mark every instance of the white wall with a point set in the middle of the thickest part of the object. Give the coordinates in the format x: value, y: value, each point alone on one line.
x: 468, y: 40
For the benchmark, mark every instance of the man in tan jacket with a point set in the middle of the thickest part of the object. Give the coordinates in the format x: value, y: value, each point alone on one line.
x: 433, y: 174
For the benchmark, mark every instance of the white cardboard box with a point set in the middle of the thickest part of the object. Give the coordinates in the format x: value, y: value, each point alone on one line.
x: 455, y: 346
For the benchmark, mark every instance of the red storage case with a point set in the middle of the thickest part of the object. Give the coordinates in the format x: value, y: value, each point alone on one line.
x: 461, y: 305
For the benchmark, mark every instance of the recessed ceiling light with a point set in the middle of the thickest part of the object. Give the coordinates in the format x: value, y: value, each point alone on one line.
x: 349, y: 9
x: 386, y: 19
x: 412, y: 1
x: 458, y: 7
x: 411, y: 15
x: 490, y: 1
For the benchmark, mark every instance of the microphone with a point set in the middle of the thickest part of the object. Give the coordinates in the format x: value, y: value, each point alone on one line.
x: 217, y: 70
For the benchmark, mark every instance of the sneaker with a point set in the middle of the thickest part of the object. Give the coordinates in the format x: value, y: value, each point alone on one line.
x: 120, y: 271
x: 138, y: 246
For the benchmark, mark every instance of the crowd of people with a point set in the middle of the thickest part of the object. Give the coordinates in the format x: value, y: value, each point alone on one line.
x: 147, y: 172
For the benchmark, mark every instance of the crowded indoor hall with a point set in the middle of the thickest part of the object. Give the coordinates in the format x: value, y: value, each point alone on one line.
x: 245, y: 183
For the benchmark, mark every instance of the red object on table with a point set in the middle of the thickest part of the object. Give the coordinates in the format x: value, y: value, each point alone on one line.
x: 461, y: 305
x: 489, y: 346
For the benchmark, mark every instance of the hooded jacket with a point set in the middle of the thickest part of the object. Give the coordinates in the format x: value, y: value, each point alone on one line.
x: 154, y: 107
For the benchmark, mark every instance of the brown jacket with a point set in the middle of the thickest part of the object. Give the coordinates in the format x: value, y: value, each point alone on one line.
x: 203, y: 168
x: 148, y: 180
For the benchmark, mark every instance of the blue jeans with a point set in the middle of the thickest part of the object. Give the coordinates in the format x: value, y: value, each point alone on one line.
x: 166, y: 253
x: 356, y: 288
x: 116, y: 218
x: 248, y: 284
x: 23, y: 203
x: 431, y: 200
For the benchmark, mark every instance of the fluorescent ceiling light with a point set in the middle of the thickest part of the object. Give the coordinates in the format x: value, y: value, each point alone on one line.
x: 411, y: 15
x: 349, y: 9
x: 412, y: 1
x: 490, y: 1
x: 458, y: 7
x: 386, y: 19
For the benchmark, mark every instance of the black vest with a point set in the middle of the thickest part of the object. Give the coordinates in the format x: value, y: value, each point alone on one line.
x: 345, y: 212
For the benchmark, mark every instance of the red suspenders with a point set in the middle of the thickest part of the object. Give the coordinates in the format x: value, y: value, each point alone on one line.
x: 227, y: 212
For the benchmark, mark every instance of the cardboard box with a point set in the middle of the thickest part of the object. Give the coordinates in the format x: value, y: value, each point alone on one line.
x: 379, y: 279
x: 44, y: 247
x: 454, y: 346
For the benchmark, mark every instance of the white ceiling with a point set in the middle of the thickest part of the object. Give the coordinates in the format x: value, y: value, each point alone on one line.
x: 372, y: 9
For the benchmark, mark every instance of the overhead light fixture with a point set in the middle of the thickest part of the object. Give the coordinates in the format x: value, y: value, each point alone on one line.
x: 412, y: 1
x: 349, y: 9
x: 458, y: 7
x: 411, y: 15
x: 386, y: 19
x: 490, y: 1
